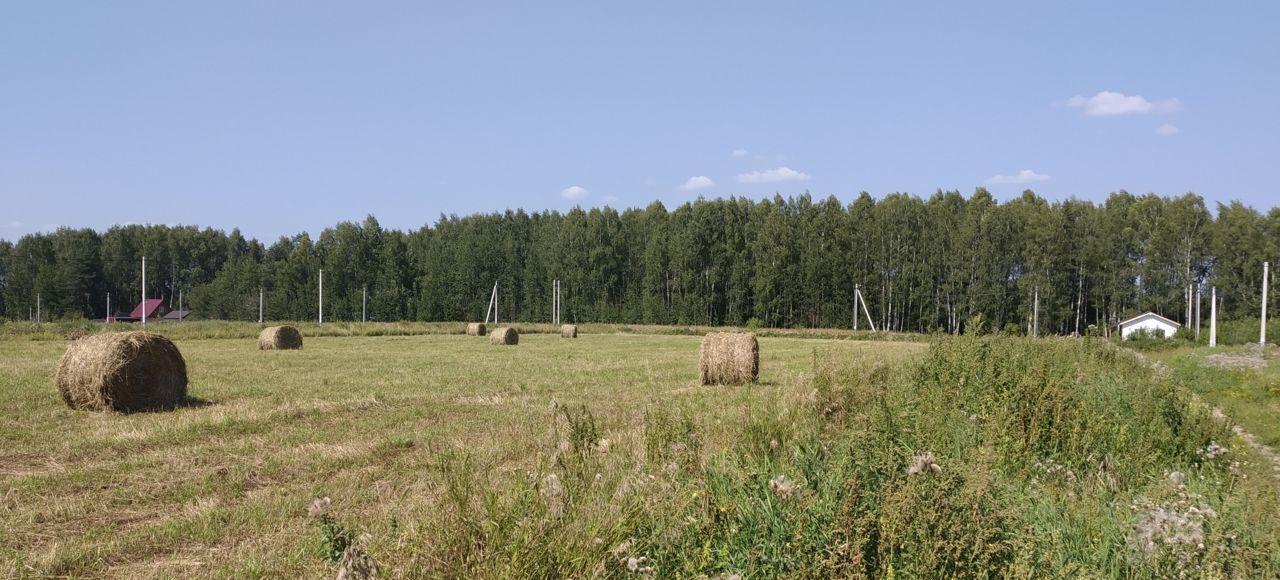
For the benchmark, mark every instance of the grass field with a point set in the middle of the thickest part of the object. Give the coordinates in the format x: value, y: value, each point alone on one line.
x: 1246, y: 387
x: 222, y: 489
x: 445, y: 456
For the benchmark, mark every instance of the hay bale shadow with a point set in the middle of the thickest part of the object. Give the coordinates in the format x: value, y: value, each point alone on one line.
x: 187, y: 403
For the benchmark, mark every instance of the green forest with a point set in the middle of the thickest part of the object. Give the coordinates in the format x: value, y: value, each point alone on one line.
x: 923, y: 264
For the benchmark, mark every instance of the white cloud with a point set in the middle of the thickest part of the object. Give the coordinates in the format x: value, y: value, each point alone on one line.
x: 1166, y: 130
x: 1022, y: 177
x: 698, y: 182
x: 741, y: 152
x: 1108, y: 103
x: 772, y: 176
x: 574, y: 192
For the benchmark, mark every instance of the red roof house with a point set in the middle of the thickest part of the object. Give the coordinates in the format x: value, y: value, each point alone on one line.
x: 154, y: 307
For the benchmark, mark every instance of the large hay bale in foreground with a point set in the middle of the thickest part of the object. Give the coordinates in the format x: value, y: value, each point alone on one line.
x: 122, y: 371
x: 279, y: 338
x: 504, y: 335
x: 475, y: 329
x: 729, y: 358
x: 569, y: 331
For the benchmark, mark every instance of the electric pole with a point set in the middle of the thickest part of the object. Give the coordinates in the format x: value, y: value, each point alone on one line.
x: 1035, y: 316
x: 1262, y: 335
x: 1213, y: 317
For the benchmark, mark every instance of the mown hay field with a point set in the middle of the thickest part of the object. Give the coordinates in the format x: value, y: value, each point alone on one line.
x: 391, y: 428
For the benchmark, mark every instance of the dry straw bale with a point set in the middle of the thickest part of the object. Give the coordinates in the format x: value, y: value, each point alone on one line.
x: 122, y: 371
x: 279, y: 338
x: 504, y: 336
x: 569, y: 331
x: 729, y: 358
x: 475, y: 329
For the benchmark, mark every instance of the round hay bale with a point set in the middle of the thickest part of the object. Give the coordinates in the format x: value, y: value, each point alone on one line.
x: 505, y: 335
x: 729, y: 358
x: 122, y: 371
x: 475, y: 329
x: 569, y: 331
x: 279, y: 338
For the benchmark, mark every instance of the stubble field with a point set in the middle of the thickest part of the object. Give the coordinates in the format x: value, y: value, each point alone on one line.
x: 376, y: 423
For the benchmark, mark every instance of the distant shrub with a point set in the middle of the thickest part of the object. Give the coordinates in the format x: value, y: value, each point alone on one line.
x: 1012, y: 329
x: 754, y: 323
x: 976, y: 325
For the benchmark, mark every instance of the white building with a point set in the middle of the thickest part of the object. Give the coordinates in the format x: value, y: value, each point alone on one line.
x: 1150, y: 322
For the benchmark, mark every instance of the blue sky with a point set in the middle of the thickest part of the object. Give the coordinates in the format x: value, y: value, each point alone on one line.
x: 279, y: 117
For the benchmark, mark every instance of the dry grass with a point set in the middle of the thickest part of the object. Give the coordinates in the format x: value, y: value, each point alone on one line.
x: 475, y: 329
x: 729, y: 358
x: 221, y: 490
x: 569, y: 331
x: 504, y: 336
x: 125, y: 371
x: 279, y: 338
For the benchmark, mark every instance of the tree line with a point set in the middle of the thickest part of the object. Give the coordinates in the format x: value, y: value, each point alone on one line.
x: 921, y: 264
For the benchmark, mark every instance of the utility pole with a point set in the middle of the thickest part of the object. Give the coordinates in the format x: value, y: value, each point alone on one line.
x: 364, y: 300
x: 321, y: 313
x: 1213, y: 317
x: 38, y: 319
x: 855, y: 306
x: 1187, y: 294
x: 108, y: 318
x: 259, y: 305
x: 1262, y: 335
x: 1197, y: 312
x: 493, y: 305
x: 1035, y: 316
x: 863, y: 300
x: 144, y: 291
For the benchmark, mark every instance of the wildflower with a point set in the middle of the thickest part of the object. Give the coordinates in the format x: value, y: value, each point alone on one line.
x: 637, y: 565
x: 1212, y: 451
x: 782, y: 486
x: 319, y: 507
x: 1167, y: 526
x: 923, y: 463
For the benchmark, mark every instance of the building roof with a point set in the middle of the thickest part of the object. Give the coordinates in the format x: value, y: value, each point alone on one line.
x: 151, y: 304
x: 1149, y: 315
x: 177, y: 314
